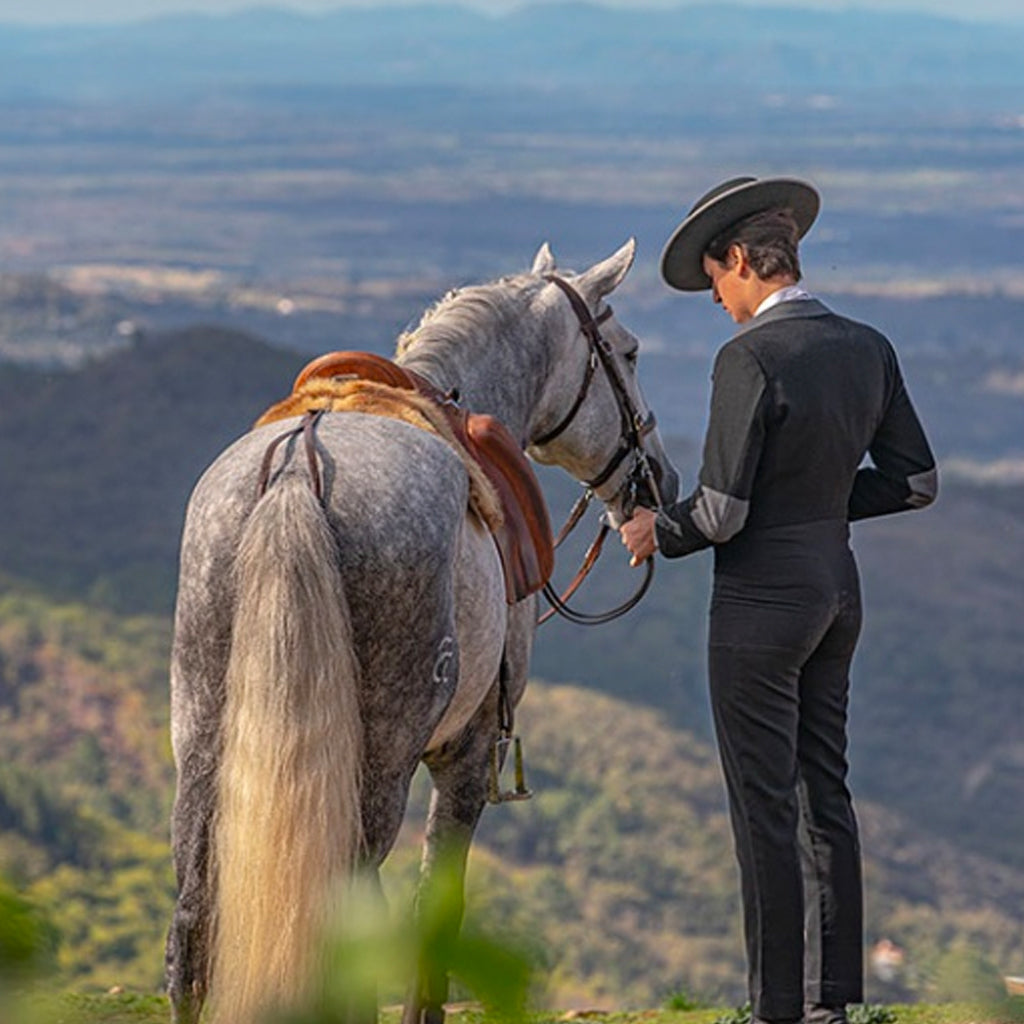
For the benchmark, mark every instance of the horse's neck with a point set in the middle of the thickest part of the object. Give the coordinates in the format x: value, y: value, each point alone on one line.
x: 498, y: 368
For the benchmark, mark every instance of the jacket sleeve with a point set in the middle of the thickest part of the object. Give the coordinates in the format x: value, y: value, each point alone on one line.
x: 903, y: 474
x: 717, y: 509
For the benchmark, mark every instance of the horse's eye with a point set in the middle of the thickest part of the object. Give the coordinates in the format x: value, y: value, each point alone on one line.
x: 631, y: 356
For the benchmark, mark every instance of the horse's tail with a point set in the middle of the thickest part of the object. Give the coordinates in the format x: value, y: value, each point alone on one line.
x: 287, y: 829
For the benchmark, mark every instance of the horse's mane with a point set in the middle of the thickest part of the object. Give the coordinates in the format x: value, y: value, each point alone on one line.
x: 475, y: 311
x: 481, y: 342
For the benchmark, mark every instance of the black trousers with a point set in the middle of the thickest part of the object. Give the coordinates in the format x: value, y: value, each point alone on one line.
x: 785, y: 617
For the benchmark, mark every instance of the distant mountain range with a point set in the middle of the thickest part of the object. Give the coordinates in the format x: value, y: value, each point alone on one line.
x: 702, y: 57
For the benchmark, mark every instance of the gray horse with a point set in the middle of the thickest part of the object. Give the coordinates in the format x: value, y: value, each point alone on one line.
x: 324, y: 648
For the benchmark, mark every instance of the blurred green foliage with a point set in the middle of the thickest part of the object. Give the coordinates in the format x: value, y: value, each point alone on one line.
x: 370, y: 952
x: 28, y: 938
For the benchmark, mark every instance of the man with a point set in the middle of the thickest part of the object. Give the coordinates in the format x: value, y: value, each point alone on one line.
x: 799, y: 396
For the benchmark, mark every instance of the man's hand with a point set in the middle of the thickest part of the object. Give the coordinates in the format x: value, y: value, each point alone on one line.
x: 638, y: 535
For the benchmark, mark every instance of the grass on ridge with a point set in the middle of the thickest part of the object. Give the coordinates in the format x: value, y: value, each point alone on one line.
x: 133, y: 1008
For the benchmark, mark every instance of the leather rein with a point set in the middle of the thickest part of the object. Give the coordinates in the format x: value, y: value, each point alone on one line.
x: 635, y: 428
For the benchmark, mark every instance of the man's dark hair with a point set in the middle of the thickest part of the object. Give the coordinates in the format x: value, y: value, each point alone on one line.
x: 770, y: 240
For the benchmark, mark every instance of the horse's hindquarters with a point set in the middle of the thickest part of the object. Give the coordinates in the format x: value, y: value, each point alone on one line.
x: 481, y: 622
x: 425, y: 592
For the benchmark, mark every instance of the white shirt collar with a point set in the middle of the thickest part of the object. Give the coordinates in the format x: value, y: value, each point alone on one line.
x: 791, y: 293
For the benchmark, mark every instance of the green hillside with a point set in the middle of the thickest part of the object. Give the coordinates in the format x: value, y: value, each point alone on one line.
x: 618, y: 875
x: 95, y: 465
x: 85, y: 782
x: 628, y: 839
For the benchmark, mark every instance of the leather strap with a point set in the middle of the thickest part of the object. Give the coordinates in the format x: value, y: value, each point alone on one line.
x: 306, y: 428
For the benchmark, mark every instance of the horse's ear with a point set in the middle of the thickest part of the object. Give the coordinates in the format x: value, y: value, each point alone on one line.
x: 604, y: 277
x: 544, y: 261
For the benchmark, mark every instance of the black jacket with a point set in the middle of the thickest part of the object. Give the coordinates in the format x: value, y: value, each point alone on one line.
x: 799, y: 396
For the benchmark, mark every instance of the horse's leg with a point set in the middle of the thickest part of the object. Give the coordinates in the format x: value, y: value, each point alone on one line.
x: 187, y: 954
x: 459, y: 771
x: 202, y: 641
x: 393, y: 754
x: 197, y: 703
x: 460, y: 783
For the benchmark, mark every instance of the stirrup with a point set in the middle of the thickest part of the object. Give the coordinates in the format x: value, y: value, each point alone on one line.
x: 495, y: 794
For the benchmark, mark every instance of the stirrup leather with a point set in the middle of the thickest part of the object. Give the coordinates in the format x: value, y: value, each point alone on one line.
x: 499, y: 752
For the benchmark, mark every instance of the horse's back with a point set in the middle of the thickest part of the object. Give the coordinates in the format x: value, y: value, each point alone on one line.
x: 392, y: 492
x: 408, y: 553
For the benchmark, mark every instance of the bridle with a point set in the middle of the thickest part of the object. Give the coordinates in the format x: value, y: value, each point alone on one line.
x: 635, y: 428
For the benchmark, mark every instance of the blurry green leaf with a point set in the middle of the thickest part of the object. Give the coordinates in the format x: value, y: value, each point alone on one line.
x: 28, y: 940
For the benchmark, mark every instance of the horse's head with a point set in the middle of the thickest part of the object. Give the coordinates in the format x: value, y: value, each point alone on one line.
x: 592, y: 418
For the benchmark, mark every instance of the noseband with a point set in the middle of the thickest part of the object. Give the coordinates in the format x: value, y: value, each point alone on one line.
x: 635, y: 428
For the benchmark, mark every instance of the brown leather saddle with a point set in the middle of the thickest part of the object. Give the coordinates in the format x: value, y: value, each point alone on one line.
x: 522, y: 533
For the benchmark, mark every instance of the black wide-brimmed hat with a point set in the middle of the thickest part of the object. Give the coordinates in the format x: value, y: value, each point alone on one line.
x: 734, y: 200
